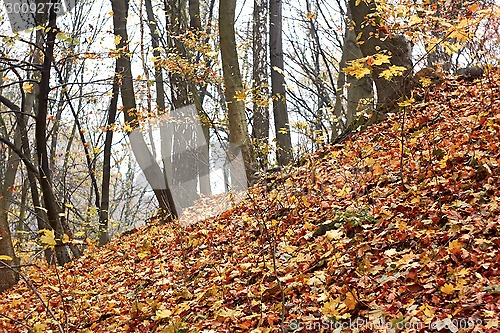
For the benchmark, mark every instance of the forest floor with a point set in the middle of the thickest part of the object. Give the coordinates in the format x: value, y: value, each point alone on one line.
x: 397, y: 229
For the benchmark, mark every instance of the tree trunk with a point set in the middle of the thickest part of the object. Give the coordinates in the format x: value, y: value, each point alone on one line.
x: 238, y: 126
x: 203, y: 142
x: 8, y: 277
x: 359, y: 93
x: 106, y: 167
x: 374, y: 40
x: 50, y: 203
x: 260, y: 89
x: 144, y: 158
x: 281, y: 123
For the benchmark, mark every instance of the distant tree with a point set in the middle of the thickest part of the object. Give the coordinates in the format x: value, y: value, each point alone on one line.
x: 260, y: 89
x: 281, y: 122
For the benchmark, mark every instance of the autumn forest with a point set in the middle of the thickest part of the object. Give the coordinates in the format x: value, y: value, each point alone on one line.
x: 249, y: 166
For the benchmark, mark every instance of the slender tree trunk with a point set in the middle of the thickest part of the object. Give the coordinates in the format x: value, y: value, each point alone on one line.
x: 238, y: 126
x: 203, y: 154
x: 281, y: 123
x: 148, y: 165
x: 40, y: 213
x: 106, y: 167
x: 260, y: 87
x: 184, y: 159
x: 8, y: 277
x: 50, y: 203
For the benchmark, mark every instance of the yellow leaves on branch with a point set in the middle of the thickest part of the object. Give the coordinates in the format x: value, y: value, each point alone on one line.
x: 392, y: 71
x: 361, y: 67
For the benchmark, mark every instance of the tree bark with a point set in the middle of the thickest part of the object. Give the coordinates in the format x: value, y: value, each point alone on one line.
x: 359, y: 94
x: 373, y: 40
x: 238, y: 126
x: 281, y: 123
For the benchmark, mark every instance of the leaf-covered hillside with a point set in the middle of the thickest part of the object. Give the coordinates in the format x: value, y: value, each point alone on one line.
x: 397, y: 227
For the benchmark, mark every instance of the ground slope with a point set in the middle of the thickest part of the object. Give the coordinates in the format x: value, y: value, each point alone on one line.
x: 396, y: 228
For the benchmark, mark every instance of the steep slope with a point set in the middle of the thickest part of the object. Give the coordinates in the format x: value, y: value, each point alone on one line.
x: 397, y: 228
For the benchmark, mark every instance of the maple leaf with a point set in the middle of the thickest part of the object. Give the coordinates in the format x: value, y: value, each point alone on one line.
x: 48, y: 238
x: 117, y: 39
x: 28, y: 87
x: 392, y: 71
x: 357, y: 69
x: 335, y: 234
x: 162, y: 313
x: 240, y: 96
x: 381, y: 58
x: 447, y: 289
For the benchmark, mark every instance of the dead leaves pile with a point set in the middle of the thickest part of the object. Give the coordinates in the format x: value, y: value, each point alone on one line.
x: 397, y: 229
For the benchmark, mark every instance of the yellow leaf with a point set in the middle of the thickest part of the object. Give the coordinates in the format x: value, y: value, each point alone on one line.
x: 427, y: 310
x: 414, y: 19
x: 143, y: 255
x: 229, y: 313
x: 39, y: 327
x: 289, y: 249
x: 447, y: 289
x: 65, y: 239
x: 310, y: 16
x: 28, y: 87
x: 350, y: 301
x: 118, y: 39
x: 455, y: 246
x: 357, y: 69
x: 48, y: 238
x: 5, y: 258
x: 163, y: 313
x: 380, y: 59
x: 241, y: 96
x: 343, y: 191
x: 127, y: 128
x: 332, y: 307
x: 369, y: 161
x: 392, y: 71
x: 334, y: 234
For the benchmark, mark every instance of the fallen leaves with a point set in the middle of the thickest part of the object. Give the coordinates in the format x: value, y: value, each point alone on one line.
x: 368, y: 238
